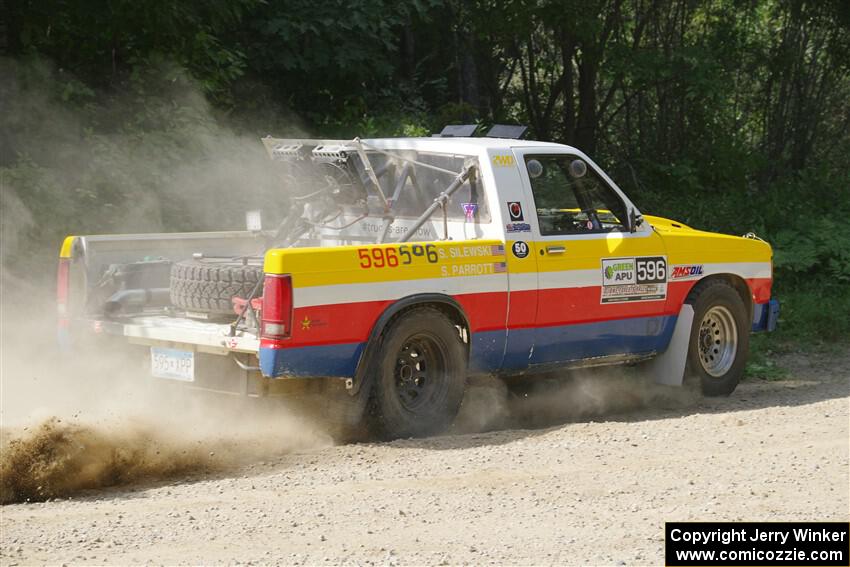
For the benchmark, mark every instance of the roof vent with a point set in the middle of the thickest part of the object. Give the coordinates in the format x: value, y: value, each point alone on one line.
x: 513, y: 131
x: 459, y: 131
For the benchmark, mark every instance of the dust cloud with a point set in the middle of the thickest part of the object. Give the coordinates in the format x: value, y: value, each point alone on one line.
x: 149, y: 155
x: 566, y: 396
x: 93, y: 419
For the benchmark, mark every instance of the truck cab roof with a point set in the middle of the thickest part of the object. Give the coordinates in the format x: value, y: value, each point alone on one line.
x: 460, y: 145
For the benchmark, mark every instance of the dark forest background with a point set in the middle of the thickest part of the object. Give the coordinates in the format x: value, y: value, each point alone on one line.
x: 729, y: 115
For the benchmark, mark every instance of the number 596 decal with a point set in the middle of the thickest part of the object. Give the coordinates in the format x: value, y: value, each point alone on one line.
x: 394, y: 257
x: 651, y: 270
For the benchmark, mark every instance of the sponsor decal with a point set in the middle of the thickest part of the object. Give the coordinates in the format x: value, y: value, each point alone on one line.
x: 634, y: 279
x: 515, y: 210
x: 619, y: 271
x: 469, y: 210
x: 503, y: 161
x: 405, y: 254
x: 520, y: 249
x: 518, y: 227
x: 307, y: 323
x: 467, y: 251
x: 686, y: 271
x: 382, y: 257
x: 395, y: 229
x: 455, y: 270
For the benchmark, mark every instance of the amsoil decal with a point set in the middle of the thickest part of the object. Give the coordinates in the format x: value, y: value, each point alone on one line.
x: 687, y: 271
x: 515, y: 210
x: 634, y: 279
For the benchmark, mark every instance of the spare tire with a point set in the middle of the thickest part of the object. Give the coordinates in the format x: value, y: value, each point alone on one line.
x: 209, y: 285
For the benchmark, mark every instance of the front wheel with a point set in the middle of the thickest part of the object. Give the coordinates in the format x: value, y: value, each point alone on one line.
x: 720, y: 339
x: 421, y: 375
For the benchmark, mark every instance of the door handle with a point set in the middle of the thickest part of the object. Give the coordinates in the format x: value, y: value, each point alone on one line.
x: 556, y: 249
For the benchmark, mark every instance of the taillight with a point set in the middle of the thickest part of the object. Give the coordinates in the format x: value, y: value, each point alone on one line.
x: 277, y: 307
x: 63, y: 281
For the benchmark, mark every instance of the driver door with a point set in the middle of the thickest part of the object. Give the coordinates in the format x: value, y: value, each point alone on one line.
x: 602, y: 289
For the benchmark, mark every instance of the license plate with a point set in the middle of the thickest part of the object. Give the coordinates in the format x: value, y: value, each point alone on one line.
x: 173, y: 364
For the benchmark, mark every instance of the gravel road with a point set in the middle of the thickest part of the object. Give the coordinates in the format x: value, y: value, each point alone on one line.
x: 591, y: 487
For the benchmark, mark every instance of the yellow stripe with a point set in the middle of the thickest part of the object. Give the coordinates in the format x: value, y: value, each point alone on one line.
x: 692, y: 247
x: 384, y: 262
x: 65, y: 251
x: 362, y: 264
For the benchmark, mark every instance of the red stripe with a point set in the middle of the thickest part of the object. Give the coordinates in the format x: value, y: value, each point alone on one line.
x: 353, y: 322
x: 337, y: 323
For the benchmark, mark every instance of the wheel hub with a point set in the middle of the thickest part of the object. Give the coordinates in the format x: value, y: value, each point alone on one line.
x: 417, y: 371
x: 718, y: 341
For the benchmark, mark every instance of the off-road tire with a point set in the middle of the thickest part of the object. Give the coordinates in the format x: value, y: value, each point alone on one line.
x: 717, y: 296
x: 445, y: 364
x: 208, y: 286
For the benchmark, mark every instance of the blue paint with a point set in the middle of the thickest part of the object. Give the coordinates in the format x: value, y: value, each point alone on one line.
x: 339, y: 360
x: 639, y: 335
x: 520, y: 343
x: 563, y: 343
x: 486, y: 351
x: 765, y: 316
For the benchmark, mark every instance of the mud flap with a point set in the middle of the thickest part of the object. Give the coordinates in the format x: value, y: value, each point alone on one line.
x: 668, y: 368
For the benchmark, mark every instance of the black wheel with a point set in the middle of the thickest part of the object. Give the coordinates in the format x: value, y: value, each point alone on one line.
x: 720, y: 338
x: 421, y: 376
x: 209, y: 285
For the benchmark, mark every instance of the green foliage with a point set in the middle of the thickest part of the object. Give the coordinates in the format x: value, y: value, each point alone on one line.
x: 100, y: 40
x: 824, y: 248
x: 815, y: 312
x: 761, y: 364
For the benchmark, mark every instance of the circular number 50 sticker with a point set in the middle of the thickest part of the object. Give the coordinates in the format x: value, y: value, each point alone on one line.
x: 520, y: 249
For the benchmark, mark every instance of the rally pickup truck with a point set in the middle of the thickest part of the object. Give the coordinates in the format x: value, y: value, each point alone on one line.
x: 407, y: 265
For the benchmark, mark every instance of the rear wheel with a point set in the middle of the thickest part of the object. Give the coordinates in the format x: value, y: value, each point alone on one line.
x: 717, y: 353
x: 421, y: 375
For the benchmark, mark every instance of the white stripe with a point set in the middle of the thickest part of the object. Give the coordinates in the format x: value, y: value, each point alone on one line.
x: 382, y: 291
x: 744, y: 269
x: 571, y: 278
x: 522, y: 281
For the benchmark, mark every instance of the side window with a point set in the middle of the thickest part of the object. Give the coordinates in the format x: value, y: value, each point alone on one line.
x: 412, y: 189
x: 571, y: 198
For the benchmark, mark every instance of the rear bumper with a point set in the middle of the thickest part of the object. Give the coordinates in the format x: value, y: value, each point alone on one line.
x: 326, y: 361
x: 161, y: 330
x: 765, y: 316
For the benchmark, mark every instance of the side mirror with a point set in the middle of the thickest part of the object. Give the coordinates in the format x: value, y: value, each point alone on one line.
x: 634, y: 220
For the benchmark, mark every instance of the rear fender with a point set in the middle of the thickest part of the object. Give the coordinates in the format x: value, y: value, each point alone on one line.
x: 363, y: 377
